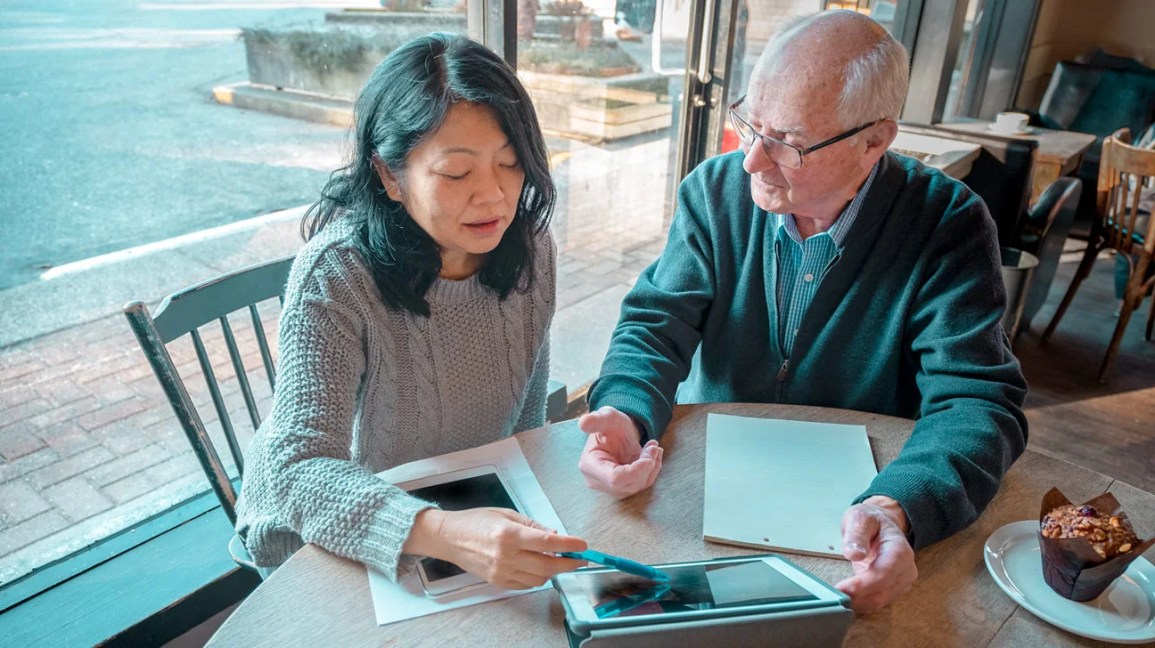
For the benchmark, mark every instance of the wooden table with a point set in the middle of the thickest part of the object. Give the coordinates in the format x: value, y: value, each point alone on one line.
x: 952, y: 157
x: 1060, y: 152
x: 316, y: 598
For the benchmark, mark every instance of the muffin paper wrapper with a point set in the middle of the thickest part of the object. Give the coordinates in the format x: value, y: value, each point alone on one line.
x: 1070, y: 566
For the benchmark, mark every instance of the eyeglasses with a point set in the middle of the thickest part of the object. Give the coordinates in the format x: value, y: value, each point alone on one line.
x: 783, y: 153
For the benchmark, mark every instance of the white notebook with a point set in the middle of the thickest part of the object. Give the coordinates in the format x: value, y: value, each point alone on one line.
x: 782, y: 485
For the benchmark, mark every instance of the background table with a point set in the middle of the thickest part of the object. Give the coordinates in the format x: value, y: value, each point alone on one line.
x: 952, y: 157
x: 316, y: 598
x: 1060, y: 152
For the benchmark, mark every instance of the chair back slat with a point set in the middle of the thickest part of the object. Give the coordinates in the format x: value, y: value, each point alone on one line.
x: 182, y: 406
x: 263, y: 345
x: 242, y: 376
x: 213, y: 386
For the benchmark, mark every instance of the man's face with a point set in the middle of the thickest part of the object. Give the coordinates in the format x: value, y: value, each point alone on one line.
x: 798, y: 106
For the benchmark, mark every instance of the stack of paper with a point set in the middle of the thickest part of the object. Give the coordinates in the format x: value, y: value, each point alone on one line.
x: 782, y: 485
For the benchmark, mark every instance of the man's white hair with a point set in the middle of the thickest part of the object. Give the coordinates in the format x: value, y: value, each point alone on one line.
x: 876, y: 84
x: 875, y: 81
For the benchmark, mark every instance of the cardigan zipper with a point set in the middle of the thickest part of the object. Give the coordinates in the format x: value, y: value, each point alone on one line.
x: 781, y: 380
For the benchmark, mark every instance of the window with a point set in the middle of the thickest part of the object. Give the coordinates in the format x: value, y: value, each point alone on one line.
x: 129, y: 176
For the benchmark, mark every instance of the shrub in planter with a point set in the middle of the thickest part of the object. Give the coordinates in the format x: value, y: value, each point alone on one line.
x: 567, y: 57
x: 402, y: 5
x: 573, y: 21
x: 565, y: 8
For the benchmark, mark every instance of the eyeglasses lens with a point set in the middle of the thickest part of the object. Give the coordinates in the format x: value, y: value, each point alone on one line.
x: 781, y: 155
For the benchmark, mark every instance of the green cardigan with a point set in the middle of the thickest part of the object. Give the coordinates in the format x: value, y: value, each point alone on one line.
x: 906, y: 323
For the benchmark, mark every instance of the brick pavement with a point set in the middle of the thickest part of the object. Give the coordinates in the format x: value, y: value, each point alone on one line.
x: 88, y: 444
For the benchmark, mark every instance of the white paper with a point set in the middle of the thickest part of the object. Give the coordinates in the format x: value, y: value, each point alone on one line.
x: 782, y: 484
x: 393, y: 602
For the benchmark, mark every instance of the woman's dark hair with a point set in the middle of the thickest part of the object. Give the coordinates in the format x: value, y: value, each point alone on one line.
x: 405, y: 100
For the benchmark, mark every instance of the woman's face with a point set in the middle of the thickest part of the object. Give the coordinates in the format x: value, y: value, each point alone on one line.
x: 461, y: 185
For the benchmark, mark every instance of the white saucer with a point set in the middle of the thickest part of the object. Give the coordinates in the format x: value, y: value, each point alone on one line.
x: 1125, y: 613
x: 1025, y: 130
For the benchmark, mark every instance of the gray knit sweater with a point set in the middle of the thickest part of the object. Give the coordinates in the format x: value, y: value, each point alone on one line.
x: 362, y: 387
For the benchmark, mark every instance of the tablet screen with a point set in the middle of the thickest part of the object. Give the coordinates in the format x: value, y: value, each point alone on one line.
x: 691, y: 587
x: 471, y: 492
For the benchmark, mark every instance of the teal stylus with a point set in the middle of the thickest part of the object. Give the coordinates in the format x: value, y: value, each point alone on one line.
x: 617, y: 562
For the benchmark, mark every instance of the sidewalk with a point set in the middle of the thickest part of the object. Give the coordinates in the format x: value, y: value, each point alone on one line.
x: 88, y: 444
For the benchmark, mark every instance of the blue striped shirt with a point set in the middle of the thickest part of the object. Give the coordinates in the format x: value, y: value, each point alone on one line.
x: 802, y: 264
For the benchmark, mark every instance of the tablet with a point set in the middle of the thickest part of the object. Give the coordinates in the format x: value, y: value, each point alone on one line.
x: 605, y: 598
x: 458, y: 490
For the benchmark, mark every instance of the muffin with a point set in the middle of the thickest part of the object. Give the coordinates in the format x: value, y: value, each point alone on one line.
x: 1085, y: 547
x: 1109, y: 535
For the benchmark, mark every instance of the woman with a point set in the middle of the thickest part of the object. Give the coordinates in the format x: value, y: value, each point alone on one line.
x: 415, y: 323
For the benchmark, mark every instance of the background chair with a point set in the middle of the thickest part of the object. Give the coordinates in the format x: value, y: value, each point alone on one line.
x: 186, y: 313
x: 1000, y: 175
x: 1098, y: 96
x: 1125, y: 173
x: 1043, y: 233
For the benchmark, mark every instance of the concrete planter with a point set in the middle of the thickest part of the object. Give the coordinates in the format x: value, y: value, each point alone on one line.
x: 306, y: 64
x: 417, y: 22
x: 600, y: 109
x: 273, y: 64
x: 547, y: 27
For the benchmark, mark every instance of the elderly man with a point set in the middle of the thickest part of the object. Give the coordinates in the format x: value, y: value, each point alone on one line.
x: 817, y: 268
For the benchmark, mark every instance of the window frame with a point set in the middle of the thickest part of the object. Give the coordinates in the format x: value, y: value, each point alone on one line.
x: 104, y: 594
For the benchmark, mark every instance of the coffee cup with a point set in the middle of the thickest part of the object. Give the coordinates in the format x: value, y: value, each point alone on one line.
x: 1009, y: 123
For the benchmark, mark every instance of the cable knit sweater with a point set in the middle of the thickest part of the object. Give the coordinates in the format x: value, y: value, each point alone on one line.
x: 362, y: 387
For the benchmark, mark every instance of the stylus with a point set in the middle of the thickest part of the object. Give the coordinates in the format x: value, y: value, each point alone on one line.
x: 617, y: 562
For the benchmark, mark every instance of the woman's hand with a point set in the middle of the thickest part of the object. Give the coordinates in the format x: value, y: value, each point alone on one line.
x: 502, y: 546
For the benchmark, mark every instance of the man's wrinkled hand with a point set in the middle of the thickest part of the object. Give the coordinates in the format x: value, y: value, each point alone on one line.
x: 874, y: 541
x: 614, y: 461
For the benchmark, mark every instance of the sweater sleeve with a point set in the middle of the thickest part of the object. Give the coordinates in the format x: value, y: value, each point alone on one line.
x: 971, y: 426
x: 533, y: 410
x: 301, y: 479
x: 653, y: 345
x: 543, y: 308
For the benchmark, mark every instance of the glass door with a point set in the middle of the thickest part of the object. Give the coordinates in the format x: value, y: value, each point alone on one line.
x: 618, y: 87
x: 756, y: 21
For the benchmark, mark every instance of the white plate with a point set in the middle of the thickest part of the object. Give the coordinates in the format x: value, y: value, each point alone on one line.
x: 1124, y: 613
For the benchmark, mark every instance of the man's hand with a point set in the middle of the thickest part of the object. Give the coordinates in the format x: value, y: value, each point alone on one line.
x: 614, y: 460
x: 874, y: 541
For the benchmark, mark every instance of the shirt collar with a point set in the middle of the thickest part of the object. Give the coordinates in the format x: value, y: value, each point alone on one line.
x: 841, y: 224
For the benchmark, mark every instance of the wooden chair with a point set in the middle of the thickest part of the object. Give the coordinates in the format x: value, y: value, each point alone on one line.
x: 188, y: 312
x: 1124, y: 173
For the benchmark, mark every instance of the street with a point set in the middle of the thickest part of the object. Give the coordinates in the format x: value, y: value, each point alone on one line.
x: 110, y: 137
